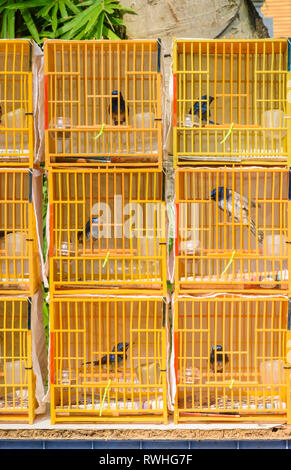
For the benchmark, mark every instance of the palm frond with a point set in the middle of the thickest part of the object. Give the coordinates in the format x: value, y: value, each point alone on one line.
x: 63, y: 19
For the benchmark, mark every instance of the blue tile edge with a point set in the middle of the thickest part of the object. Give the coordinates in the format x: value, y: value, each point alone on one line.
x: 143, y: 444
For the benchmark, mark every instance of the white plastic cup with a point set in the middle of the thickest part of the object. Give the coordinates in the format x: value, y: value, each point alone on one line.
x: 274, y: 244
x: 274, y: 118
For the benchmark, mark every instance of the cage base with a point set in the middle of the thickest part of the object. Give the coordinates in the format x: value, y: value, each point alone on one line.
x: 192, y: 417
x: 161, y: 418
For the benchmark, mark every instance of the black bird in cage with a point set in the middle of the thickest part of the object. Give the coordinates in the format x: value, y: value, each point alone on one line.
x: 114, y: 357
x: 91, y: 228
x: 218, y: 359
x: 201, y: 108
x: 117, y: 104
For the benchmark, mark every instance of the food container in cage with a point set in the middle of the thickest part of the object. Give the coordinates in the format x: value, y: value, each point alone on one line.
x: 275, y: 245
x: 190, y: 121
x: 61, y: 123
x: 67, y: 249
x: 144, y: 120
x: 15, y: 375
x: 275, y: 119
x: 272, y: 372
x: 190, y: 375
x: 153, y: 404
x: 149, y: 373
x: 11, y: 120
x: 68, y: 377
x: 15, y: 246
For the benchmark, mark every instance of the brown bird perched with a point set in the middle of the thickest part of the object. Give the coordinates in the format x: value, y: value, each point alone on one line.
x: 218, y: 358
x: 117, y: 104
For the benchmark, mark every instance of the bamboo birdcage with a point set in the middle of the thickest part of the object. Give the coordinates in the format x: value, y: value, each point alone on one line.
x: 127, y: 211
x: 16, y: 102
x: 247, y: 377
x: 232, y: 229
x: 247, y: 120
x: 19, y: 259
x: 17, y: 380
x: 82, y: 129
x: 126, y: 383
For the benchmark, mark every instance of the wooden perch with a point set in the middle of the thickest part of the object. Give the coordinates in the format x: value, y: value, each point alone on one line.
x: 103, y: 252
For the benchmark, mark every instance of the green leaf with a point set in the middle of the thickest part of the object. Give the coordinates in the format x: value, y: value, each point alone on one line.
x: 130, y: 11
x: 55, y: 17
x: 65, y: 19
x: 72, y: 7
x: 11, y: 24
x: 3, y: 3
x: 88, y: 3
x: 92, y: 22
x: 26, y: 4
x: 170, y: 287
x: 30, y: 25
x: 63, y: 9
x: 4, y: 25
x: 80, y: 36
x: 97, y: 34
x: 110, y: 11
x: 109, y: 34
x: 73, y: 26
x: 44, y: 11
x: 47, y: 34
x: 2, y: 9
x: 117, y: 21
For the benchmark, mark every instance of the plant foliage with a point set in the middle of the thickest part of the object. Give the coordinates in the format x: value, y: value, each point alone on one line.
x: 63, y: 19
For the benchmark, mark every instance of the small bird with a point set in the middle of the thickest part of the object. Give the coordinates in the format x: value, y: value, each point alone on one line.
x: 205, y: 102
x: 115, y: 103
x: 239, y: 208
x: 113, y: 357
x: 218, y: 359
x: 90, y: 228
x: 3, y: 233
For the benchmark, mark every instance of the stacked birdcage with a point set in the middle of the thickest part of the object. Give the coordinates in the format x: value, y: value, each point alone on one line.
x: 20, y: 199
x: 107, y: 249
x: 231, y: 148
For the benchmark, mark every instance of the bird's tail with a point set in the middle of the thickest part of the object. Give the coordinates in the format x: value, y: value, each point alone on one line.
x: 95, y: 363
x: 255, y: 232
x: 260, y: 236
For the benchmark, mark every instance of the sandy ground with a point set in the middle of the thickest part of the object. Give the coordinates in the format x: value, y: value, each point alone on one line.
x: 185, y: 434
x: 42, y: 429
